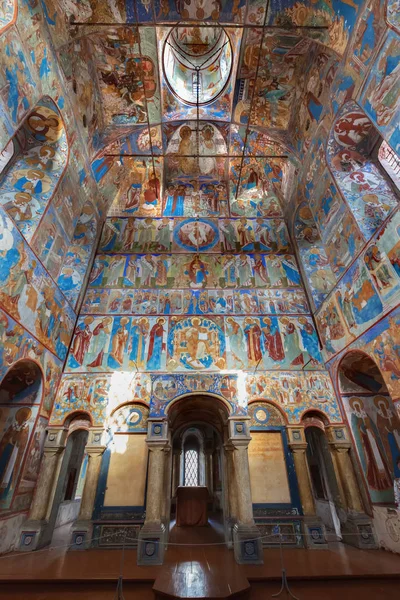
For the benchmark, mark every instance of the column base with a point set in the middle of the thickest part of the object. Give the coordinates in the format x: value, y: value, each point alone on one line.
x: 247, y: 545
x: 151, y: 544
x: 358, y: 531
x: 314, y: 533
x: 34, y: 535
x: 81, y: 535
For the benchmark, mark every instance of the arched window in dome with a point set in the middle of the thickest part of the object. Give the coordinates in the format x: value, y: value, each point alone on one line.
x: 353, y: 157
x: 8, y: 13
x: 197, y: 62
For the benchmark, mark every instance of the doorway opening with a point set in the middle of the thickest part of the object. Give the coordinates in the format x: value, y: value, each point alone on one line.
x: 197, y: 475
x: 322, y: 474
x: 71, y: 480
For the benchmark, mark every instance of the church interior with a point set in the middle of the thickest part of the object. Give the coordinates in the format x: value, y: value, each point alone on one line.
x: 199, y: 299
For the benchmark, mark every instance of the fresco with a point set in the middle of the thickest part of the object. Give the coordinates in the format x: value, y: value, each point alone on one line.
x: 381, y: 90
x: 29, y: 295
x: 368, y: 195
x: 314, y: 260
x: 194, y: 271
x: 34, y: 171
x: 130, y: 418
x: 106, y: 343
x: 8, y: 13
x: 17, y: 77
x: 367, y: 290
x: 300, y: 392
x: 193, y: 302
x: 376, y: 431
x: 195, y: 235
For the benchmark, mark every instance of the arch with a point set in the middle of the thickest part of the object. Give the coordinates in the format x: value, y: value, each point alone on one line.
x: 373, y: 422
x: 8, y: 14
x: 313, y: 417
x: 352, y: 159
x: 225, y: 404
x: 76, y: 414
x: 21, y: 393
x: 130, y: 417
x: 271, y: 418
x: 36, y: 160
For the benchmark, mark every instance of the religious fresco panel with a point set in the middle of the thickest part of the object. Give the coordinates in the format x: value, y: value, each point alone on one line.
x: 368, y: 290
x: 381, y: 90
x: 376, y: 431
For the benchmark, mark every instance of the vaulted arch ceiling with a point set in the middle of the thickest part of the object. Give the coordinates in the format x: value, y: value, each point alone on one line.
x: 157, y: 79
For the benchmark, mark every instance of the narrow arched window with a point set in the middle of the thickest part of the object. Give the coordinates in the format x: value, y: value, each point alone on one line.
x: 191, y: 463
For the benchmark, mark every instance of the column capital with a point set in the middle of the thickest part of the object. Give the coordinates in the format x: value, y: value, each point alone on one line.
x: 95, y: 450
x: 338, y: 437
x: 159, y: 445
x: 299, y: 447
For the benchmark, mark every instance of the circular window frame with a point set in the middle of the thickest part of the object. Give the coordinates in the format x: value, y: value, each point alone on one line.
x: 165, y: 76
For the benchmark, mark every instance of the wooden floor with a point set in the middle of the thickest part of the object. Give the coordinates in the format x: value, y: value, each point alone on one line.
x: 340, y: 572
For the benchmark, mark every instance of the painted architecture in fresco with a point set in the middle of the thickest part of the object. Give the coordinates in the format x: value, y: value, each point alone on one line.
x: 200, y: 212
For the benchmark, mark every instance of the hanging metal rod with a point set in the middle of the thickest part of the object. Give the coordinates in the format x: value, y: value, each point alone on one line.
x: 172, y: 154
x: 204, y: 24
x: 251, y: 101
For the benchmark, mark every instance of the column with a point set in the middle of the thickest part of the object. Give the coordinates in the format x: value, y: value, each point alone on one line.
x: 38, y: 529
x: 82, y: 529
x: 176, y: 470
x: 303, y: 478
x: 314, y: 534
x: 208, y: 459
x: 356, y: 526
x: 44, y: 487
x: 246, y: 535
x: 230, y: 482
x: 153, y: 535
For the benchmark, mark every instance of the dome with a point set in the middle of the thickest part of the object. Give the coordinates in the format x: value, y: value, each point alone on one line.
x: 197, y: 62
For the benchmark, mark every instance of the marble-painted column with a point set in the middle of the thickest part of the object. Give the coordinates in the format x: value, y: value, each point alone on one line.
x: 37, y: 530
x: 208, y: 457
x: 313, y: 529
x: 153, y: 535
x: 176, y: 470
x: 357, y: 528
x: 231, y: 483
x: 246, y: 535
x: 82, y: 529
x: 303, y: 478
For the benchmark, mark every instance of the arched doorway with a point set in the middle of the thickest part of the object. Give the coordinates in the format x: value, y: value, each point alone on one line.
x: 374, y: 425
x: 322, y: 473
x: 68, y: 487
x: 20, y: 398
x: 196, y: 477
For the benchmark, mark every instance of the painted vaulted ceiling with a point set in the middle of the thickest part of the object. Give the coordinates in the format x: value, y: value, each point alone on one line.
x: 209, y: 90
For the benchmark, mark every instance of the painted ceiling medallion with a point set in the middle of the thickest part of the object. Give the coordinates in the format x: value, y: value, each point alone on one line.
x: 197, y: 62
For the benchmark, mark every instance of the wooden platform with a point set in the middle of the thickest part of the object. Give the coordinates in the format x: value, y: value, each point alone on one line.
x: 200, y: 572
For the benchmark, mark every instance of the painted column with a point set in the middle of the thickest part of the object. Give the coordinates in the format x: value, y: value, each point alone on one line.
x: 153, y: 535
x: 347, y: 482
x: 246, y: 535
x: 51, y: 460
x: 303, y: 478
x: 314, y: 534
x: 37, y: 530
x: 82, y: 529
x: 176, y: 470
x: 208, y: 455
x: 356, y: 526
x: 91, y: 481
x: 231, y: 482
